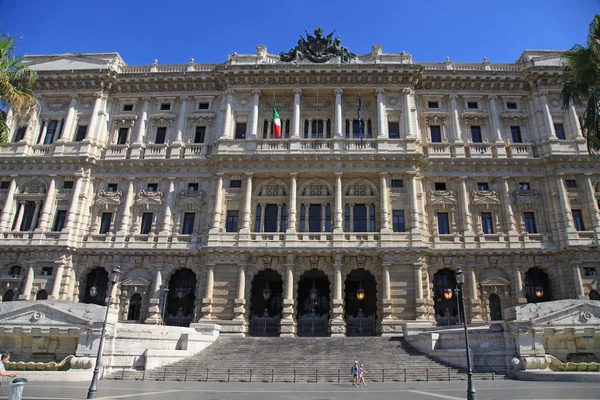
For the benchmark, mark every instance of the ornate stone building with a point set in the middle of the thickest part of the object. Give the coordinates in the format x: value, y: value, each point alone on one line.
x: 174, y: 173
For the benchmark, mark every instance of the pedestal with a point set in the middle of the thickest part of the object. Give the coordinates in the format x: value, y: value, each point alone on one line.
x: 337, y: 325
x: 154, y: 316
x: 288, y: 326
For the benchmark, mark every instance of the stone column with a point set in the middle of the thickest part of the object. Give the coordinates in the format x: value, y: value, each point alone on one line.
x: 7, y: 211
x: 239, y: 310
x: 227, y: 128
x: 385, y: 212
x: 291, y: 228
x: 67, y: 134
x: 474, y: 301
x: 139, y: 139
x: 288, y: 325
x: 455, y: 119
x: 578, y: 283
x: 575, y: 127
x: 181, y: 121
x: 57, y: 282
x: 43, y: 131
x: 549, y: 124
x: 387, y: 299
x: 19, y: 220
x: 207, y: 301
x: 408, y: 123
x: 296, y: 116
x: 36, y: 214
x: 500, y: 148
x: 338, y: 203
x: 247, y: 205
x: 337, y: 325
x: 415, y: 230
x: 420, y: 307
x: 48, y: 205
x: 508, y: 212
x: 27, y: 285
x: 464, y: 200
x: 93, y: 125
x: 338, y: 114
x: 564, y: 204
x: 518, y: 287
x: 381, y: 115
x: 216, y: 225
x: 74, y: 207
x: 167, y: 228
x: 592, y: 202
x: 154, y: 310
x: 254, y: 121
x: 126, y: 209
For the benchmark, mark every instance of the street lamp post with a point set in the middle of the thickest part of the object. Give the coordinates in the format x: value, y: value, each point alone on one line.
x: 460, y: 281
x: 115, y: 276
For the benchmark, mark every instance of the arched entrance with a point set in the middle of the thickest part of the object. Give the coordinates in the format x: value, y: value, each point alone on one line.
x: 360, y: 303
x: 181, y: 298
x: 41, y: 295
x: 96, y: 287
x: 445, y: 303
x: 313, y: 304
x: 594, y: 295
x: 537, y: 286
x: 135, y: 306
x: 495, y: 307
x: 9, y: 295
x: 266, y: 303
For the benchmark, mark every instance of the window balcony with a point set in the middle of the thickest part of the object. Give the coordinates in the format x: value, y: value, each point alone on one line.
x: 519, y: 150
x: 156, y: 151
x: 117, y: 152
x: 438, y: 150
x: 479, y: 150
x: 536, y: 240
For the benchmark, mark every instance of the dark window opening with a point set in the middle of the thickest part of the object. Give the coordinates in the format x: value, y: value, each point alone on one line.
x: 68, y: 185
x: 515, y: 132
x: 360, y: 218
x: 152, y: 187
x: 440, y: 186
x: 398, y: 220
x: 81, y: 132
x: 578, y: 220
x: 394, y: 130
x: 511, y: 105
x: 47, y: 271
x: 165, y: 107
x: 529, y: 220
x: 59, y: 220
x: 128, y: 107
x: 161, y: 135
x: 397, y: 183
x: 4, y: 185
x: 524, y: 186
x: 105, y: 221
x: 122, y: 136
x: 240, y: 130
x: 200, y: 134
x: 483, y: 186
x: 443, y: 223
x: 436, y: 134
x: 203, y: 106
x: 559, y: 129
x: 232, y: 221
x: 486, y: 223
x: 146, y: 223
x: 570, y: 183
x: 20, y: 134
x: 433, y: 104
x: 235, y: 184
x: 187, y: 227
x: 112, y: 187
x: 472, y: 105
x: 193, y: 187
x: 476, y: 134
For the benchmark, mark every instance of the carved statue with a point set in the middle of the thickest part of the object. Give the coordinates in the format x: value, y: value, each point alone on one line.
x: 318, y: 49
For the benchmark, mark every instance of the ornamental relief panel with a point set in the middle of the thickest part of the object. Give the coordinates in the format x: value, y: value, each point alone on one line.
x: 484, y: 198
x: 442, y: 198
x: 33, y: 187
x: 528, y: 198
x: 318, y: 105
x: 352, y: 104
x: 108, y: 200
x: 149, y: 200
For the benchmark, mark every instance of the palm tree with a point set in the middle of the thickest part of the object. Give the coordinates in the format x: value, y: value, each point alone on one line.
x: 581, y: 68
x: 15, y: 84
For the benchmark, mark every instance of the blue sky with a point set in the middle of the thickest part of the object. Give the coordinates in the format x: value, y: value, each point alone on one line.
x: 173, y: 31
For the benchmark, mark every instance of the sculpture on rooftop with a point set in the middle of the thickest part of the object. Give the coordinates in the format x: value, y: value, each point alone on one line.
x: 318, y: 49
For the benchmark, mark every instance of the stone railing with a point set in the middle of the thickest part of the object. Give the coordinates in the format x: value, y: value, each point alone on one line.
x: 476, y: 150
x: 519, y: 150
x: 438, y: 150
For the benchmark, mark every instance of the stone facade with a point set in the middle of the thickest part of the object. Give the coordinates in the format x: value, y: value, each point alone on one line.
x: 173, y: 173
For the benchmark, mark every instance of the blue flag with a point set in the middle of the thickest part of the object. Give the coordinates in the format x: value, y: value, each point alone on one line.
x: 360, y: 128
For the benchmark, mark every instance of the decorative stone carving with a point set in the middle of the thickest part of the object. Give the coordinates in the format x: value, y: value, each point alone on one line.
x: 195, y: 197
x: 527, y: 198
x: 109, y: 200
x: 267, y: 259
x: 484, y: 198
x: 318, y: 105
x: 443, y: 198
x: 314, y: 261
x: 352, y: 104
x: 57, y: 104
x: 162, y: 119
x: 149, y: 200
x: 34, y: 187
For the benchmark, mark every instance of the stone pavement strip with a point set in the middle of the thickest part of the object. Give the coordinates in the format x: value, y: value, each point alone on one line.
x: 486, y: 390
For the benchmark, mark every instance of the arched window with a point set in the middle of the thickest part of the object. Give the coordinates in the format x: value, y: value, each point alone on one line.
x: 536, y: 283
x: 594, y: 295
x: 8, y: 296
x: 495, y: 307
x: 96, y: 287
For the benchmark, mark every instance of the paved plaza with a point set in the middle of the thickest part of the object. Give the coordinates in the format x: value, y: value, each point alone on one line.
x: 486, y: 390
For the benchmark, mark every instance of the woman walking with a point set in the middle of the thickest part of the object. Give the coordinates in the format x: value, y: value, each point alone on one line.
x: 361, y: 376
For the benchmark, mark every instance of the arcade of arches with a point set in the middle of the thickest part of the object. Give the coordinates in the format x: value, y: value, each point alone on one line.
x: 310, y: 295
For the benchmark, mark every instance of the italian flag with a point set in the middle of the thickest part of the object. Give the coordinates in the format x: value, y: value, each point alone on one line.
x: 276, y: 124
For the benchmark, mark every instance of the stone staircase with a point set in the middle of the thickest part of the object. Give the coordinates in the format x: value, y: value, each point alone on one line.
x: 253, y: 359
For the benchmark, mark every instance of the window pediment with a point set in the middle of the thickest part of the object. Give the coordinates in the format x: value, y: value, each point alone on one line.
x: 195, y: 197
x: 149, y: 200
x: 202, y: 118
x: 442, y: 197
x: 162, y: 119
x: 109, y: 200
x: 484, y: 198
x: 527, y: 196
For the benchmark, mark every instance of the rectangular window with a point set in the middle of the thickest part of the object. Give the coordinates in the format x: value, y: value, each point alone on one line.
x: 187, y: 228
x: 112, y: 187
x: 4, y: 185
x: 483, y: 186
x: 443, y: 223
x: 472, y: 105
x: 433, y: 104
x: 20, y: 135
x: 318, y: 129
x: 105, y: 221
x: 165, y: 107
x: 347, y: 218
x: 146, y: 223
x: 232, y: 221
x: 360, y: 218
x: 122, y: 136
x: 270, y: 218
x: 394, y: 130
x: 524, y: 186
x: 570, y: 183
x: 440, y: 186
x: 515, y: 133
x: 81, y: 132
x: 235, y: 184
x: 51, y: 132
x: 436, y: 133
x: 589, y: 271
x: 27, y: 223
x: 68, y: 185
x: 193, y: 187
x: 152, y: 187
x: 397, y: 183
x: 398, y: 220
x: 476, y: 134
x: 59, y: 220
x: 578, y: 220
x: 200, y: 134
x: 559, y: 129
x: 161, y: 135
x: 372, y: 225
x: 240, y: 130
x: 511, y: 105
x: 47, y: 271
x: 486, y: 223
x: 257, y: 221
x: 283, y: 219
x: 314, y: 218
x: 127, y: 107
x: 328, y: 218
x: 203, y: 106
x: 529, y: 220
